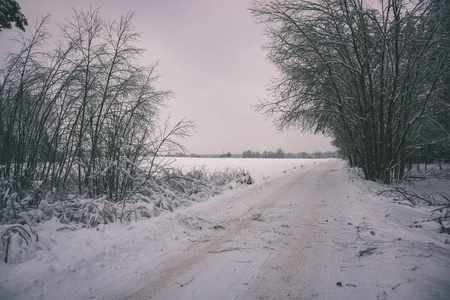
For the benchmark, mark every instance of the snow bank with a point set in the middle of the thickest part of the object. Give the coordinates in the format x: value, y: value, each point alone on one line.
x: 401, y: 250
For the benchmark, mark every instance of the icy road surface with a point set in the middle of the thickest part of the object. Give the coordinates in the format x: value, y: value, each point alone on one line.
x: 307, y: 238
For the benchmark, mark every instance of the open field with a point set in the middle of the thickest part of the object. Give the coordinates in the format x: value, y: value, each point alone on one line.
x: 259, y: 168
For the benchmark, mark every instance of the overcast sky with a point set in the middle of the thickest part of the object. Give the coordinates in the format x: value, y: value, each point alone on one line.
x: 210, y: 57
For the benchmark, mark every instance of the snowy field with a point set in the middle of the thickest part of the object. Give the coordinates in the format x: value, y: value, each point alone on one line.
x: 314, y: 229
x: 259, y: 168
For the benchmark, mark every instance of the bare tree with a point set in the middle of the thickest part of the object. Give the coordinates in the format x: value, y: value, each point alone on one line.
x: 23, y: 77
x: 366, y: 75
x: 85, y: 114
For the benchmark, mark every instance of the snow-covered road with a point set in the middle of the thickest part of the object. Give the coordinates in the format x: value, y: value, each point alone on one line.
x: 305, y: 236
x: 315, y: 232
x: 280, y: 248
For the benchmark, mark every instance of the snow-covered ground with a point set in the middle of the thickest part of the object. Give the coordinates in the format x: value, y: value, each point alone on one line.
x: 260, y: 169
x: 313, y: 230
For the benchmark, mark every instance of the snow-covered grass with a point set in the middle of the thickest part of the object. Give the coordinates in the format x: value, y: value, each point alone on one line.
x: 374, y: 247
x: 405, y: 250
x: 21, y: 223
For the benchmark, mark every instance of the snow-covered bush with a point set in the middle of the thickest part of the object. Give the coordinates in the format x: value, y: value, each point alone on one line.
x: 228, y: 175
x: 222, y: 176
x: 171, y: 189
x: 15, y: 241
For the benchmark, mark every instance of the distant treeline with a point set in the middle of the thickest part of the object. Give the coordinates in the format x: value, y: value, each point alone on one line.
x: 281, y: 154
x: 265, y: 154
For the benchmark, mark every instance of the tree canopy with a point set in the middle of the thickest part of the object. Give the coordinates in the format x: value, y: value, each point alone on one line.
x: 10, y: 13
x: 369, y: 75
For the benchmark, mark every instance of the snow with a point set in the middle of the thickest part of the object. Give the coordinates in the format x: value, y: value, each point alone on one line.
x: 313, y: 230
x: 260, y: 169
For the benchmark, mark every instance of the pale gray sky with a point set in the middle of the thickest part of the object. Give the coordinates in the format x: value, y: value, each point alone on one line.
x: 210, y: 57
